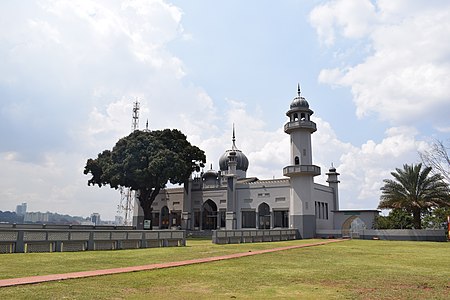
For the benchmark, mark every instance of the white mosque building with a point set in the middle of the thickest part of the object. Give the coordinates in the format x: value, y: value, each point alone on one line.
x: 228, y: 199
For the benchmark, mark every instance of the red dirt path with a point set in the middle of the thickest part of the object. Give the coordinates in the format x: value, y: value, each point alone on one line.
x: 84, y: 274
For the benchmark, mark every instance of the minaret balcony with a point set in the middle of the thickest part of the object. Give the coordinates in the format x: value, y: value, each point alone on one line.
x: 297, y: 170
x: 300, y: 124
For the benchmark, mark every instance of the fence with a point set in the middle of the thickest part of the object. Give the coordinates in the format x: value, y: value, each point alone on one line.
x: 252, y: 235
x: 26, y: 240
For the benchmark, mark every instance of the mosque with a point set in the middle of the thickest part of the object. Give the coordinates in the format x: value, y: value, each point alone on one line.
x: 228, y: 199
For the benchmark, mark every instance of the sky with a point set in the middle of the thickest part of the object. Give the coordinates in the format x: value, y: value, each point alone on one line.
x: 375, y: 73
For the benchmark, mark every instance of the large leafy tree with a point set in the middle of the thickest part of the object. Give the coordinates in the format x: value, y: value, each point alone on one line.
x: 145, y: 161
x: 414, y: 190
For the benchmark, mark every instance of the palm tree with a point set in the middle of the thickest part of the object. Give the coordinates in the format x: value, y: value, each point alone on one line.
x: 415, y: 191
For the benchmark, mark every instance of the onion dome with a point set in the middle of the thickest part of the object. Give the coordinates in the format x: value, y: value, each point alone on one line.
x: 241, y: 159
x: 299, y: 101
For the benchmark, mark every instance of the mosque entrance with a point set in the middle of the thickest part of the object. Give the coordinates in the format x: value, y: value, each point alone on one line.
x: 352, y: 227
x: 209, y: 215
x: 164, y: 218
x: 264, y: 216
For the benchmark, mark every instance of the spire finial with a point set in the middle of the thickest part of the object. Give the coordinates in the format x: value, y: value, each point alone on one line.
x: 234, y: 139
x: 211, y: 167
x: 298, y: 89
x: 146, y: 125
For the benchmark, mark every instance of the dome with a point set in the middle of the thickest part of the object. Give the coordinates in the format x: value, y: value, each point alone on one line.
x: 210, y: 174
x: 299, y: 101
x: 241, y: 159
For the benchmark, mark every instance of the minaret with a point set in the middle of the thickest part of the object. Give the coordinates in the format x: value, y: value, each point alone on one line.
x: 301, y: 170
x: 333, y: 182
x: 231, y: 191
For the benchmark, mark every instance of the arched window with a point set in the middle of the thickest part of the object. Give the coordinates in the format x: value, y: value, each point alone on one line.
x: 295, y: 117
x: 264, y: 216
x: 297, y: 160
x: 303, y: 117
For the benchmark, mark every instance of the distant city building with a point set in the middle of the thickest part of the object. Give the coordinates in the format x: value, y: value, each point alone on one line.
x: 21, y: 209
x: 95, y: 218
x: 36, y: 217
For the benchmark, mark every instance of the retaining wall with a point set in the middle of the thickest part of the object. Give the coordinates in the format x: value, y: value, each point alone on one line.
x: 26, y: 240
x: 436, y: 235
x: 253, y: 235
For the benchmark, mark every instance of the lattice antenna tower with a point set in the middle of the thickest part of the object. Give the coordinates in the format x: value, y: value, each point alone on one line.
x: 126, y: 194
x: 135, y: 120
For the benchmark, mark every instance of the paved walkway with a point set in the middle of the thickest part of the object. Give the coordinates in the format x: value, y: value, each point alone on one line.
x: 55, y: 277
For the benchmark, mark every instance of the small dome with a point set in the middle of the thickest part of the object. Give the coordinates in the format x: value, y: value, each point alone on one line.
x: 241, y: 159
x: 299, y: 101
x: 210, y: 174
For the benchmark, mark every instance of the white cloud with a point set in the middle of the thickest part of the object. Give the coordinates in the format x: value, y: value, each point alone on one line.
x: 364, y: 168
x: 443, y: 129
x: 56, y: 185
x: 351, y: 18
x: 406, y: 77
x: 69, y: 75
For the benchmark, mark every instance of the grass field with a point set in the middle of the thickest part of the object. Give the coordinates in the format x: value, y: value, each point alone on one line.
x: 349, y: 270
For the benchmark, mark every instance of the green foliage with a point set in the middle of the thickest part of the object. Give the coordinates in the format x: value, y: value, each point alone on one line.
x: 145, y: 161
x: 415, y: 191
x: 436, y: 218
x: 397, y: 219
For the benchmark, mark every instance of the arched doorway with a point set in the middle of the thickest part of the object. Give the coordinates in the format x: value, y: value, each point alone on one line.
x: 264, y: 216
x: 209, y: 215
x: 352, y: 227
x: 164, y: 218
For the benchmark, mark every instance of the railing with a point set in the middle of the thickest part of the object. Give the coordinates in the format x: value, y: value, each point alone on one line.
x: 60, y: 226
x: 238, y: 236
x: 57, y: 240
x: 289, y: 126
x: 301, y: 169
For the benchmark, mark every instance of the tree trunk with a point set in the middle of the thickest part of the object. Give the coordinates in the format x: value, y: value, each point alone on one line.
x: 417, y: 218
x: 146, y: 198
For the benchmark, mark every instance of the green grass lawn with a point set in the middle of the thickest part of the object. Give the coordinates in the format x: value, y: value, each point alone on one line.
x: 348, y: 270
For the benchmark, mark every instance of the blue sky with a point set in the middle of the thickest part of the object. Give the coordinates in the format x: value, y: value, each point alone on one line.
x: 376, y: 74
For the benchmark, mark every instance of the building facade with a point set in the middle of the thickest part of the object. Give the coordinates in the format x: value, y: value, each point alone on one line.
x: 21, y: 209
x: 228, y: 199
x: 95, y: 218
